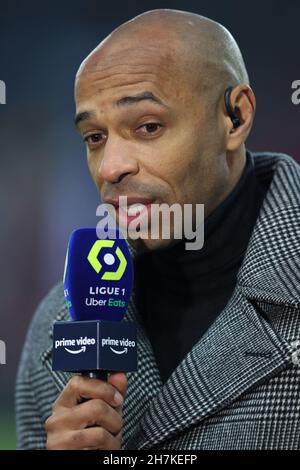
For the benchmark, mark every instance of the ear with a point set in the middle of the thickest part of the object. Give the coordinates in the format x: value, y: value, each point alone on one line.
x: 243, y: 104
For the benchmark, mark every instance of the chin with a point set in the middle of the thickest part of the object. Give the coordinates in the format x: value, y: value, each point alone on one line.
x: 144, y: 245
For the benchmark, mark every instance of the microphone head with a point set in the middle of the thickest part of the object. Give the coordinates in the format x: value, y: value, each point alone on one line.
x: 98, y: 275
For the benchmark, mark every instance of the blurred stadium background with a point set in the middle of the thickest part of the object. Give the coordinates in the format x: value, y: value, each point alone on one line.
x: 46, y: 190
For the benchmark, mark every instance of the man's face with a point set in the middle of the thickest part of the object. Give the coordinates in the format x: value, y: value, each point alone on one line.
x: 149, y: 134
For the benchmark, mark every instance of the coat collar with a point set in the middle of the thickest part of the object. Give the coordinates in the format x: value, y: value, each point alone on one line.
x: 270, y: 271
x: 241, y: 349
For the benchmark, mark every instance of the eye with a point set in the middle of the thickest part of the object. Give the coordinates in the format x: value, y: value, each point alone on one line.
x: 94, y: 139
x: 150, y: 128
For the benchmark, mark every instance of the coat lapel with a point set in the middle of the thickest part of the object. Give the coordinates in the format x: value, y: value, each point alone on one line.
x: 238, y: 352
x: 60, y: 378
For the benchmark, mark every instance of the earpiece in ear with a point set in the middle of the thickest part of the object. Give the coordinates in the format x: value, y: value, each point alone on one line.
x: 234, y: 119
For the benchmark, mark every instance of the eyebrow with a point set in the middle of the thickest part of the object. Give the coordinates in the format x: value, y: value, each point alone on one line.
x: 124, y: 101
x: 83, y: 117
x: 146, y: 95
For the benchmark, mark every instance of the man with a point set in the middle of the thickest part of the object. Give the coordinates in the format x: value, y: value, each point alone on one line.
x: 218, y: 327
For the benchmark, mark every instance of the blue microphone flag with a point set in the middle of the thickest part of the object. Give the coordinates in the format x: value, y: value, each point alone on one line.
x: 98, y: 281
x: 98, y: 277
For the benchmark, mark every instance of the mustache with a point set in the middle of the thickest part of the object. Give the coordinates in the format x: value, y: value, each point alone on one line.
x: 115, y: 190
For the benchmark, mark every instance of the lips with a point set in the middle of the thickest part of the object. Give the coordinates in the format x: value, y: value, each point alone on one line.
x: 130, y: 200
x: 132, y: 207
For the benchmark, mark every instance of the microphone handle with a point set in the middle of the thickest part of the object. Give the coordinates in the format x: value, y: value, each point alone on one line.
x: 96, y: 374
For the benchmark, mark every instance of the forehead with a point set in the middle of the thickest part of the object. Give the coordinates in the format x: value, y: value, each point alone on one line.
x: 107, y: 76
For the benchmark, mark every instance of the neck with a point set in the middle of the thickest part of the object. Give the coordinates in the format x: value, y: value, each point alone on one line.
x: 235, y: 163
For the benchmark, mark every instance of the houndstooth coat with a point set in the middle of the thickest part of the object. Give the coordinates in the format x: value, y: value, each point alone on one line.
x: 239, y: 386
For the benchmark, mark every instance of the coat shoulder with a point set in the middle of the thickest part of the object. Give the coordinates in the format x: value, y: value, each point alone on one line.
x: 38, y: 338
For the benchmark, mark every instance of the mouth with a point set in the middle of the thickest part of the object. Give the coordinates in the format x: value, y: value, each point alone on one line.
x: 131, y: 208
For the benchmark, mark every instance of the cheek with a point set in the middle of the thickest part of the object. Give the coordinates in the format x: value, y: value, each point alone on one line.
x: 193, y: 166
x: 187, y: 162
x: 174, y: 160
x: 178, y: 152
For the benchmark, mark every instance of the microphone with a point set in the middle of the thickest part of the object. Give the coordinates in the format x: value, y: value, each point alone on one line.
x: 98, y: 282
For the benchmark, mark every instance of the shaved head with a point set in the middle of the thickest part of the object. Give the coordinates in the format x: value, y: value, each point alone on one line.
x: 200, y: 50
x: 150, y: 108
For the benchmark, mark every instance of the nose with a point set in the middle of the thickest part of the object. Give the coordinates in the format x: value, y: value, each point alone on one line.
x: 117, y: 160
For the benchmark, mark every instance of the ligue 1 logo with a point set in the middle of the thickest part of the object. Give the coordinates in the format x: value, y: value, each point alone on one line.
x: 98, y: 275
x: 109, y: 259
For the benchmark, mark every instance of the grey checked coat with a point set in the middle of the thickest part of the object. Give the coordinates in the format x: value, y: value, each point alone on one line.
x: 239, y: 387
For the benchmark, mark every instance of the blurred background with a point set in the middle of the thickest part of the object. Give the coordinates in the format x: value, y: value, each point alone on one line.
x: 46, y: 190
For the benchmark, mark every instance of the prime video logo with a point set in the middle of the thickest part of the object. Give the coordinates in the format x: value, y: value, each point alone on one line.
x: 2, y: 92
x: 154, y: 221
x: 119, y: 343
x: 2, y: 352
x: 80, y: 344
